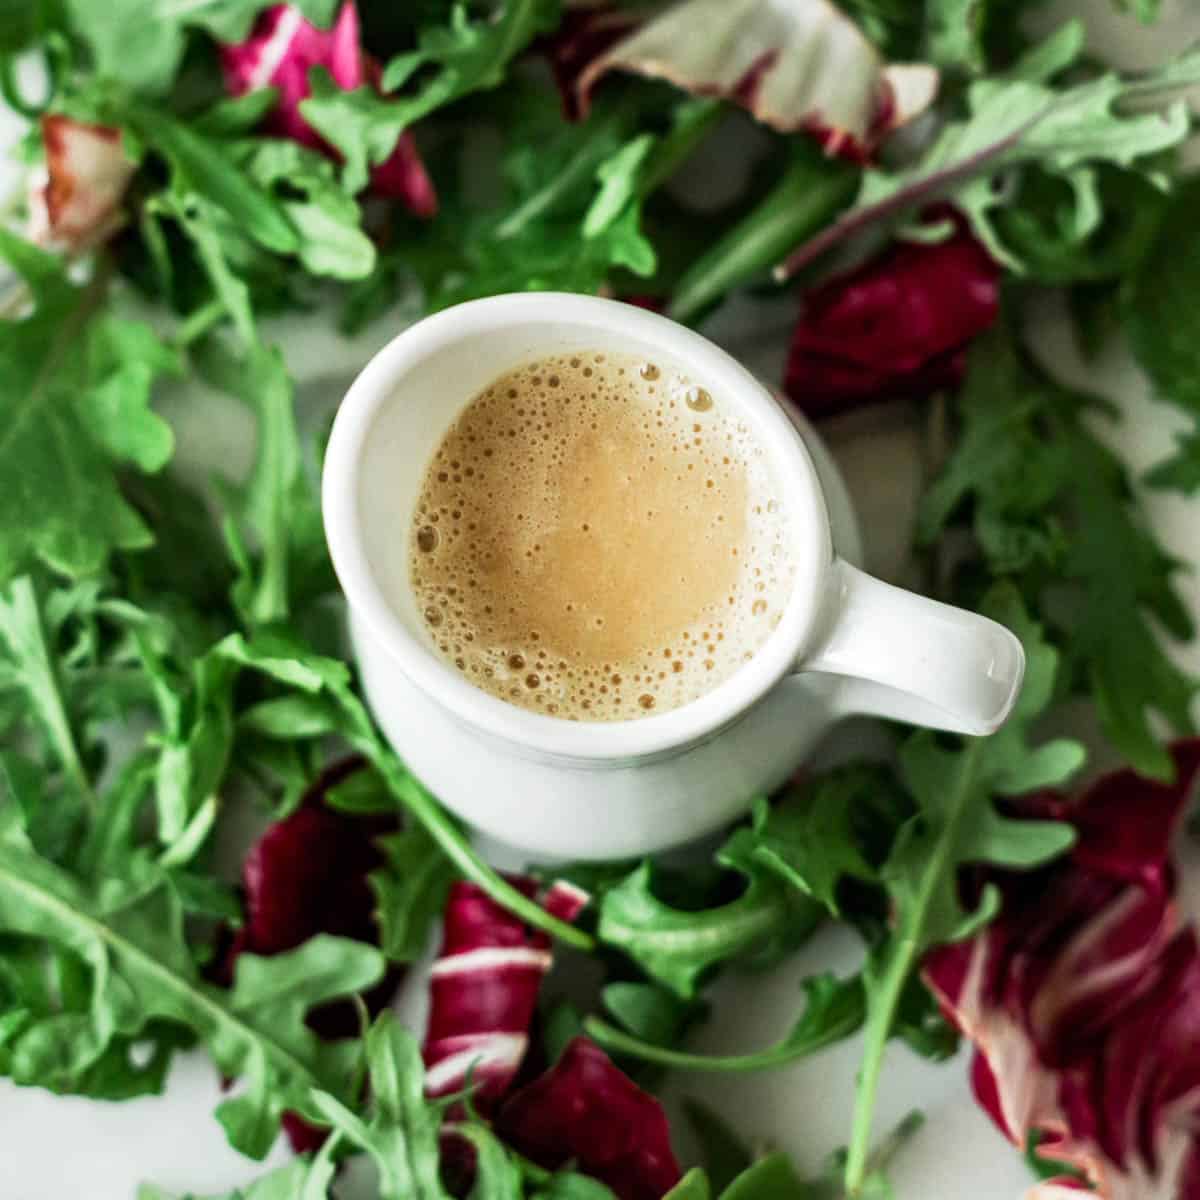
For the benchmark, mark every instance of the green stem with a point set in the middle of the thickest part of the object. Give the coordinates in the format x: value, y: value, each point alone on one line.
x: 581, y: 168
x: 442, y: 828
x: 198, y: 322
x: 885, y: 1000
x: 692, y: 124
x: 27, y: 643
x: 774, y: 1056
x: 811, y: 191
x: 907, y: 946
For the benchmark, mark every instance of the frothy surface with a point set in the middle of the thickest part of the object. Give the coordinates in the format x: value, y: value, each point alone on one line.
x: 596, y: 539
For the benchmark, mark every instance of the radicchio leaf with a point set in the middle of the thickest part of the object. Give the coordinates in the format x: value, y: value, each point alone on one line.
x: 75, y: 201
x: 484, y: 988
x: 307, y: 874
x: 898, y: 326
x: 582, y: 36
x: 586, y: 1111
x: 1083, y: 997
x: 800, y: 65
x: 281, y: 50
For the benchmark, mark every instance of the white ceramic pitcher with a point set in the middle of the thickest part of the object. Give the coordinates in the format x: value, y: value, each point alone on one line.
x: 846, y: 643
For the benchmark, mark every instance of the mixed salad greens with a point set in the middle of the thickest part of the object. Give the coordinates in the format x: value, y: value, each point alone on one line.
x: 913, y: 179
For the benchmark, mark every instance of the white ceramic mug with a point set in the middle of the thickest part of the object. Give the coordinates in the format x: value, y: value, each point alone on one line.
x: 846, y: 643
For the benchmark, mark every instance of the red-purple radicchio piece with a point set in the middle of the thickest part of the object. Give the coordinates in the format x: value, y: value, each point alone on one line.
x: 804, y: 65
x: 1083, y: 997
x: 484, y: 989
x: 307, y: 874
x: 586, y: 1111
x: 898, y: 326
x: 281, y: 50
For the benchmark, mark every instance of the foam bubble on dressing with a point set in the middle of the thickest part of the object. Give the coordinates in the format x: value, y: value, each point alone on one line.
x: 598, y: 539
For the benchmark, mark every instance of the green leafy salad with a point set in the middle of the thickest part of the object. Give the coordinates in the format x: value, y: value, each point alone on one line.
x: 206, y: 845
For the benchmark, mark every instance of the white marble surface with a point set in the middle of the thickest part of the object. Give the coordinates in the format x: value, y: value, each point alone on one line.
x: 54, y: 1147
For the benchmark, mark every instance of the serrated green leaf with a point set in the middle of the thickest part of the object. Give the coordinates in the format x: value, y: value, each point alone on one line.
x: 771, y: 1176
x: 284, y: 1183
x: 677, y: 947
x: 35, y: 672
x: 570, y: 1185
x: 141, y: 42
x: 201, y: 166
x: 466, y: 55
x: 810, y: 840
x: 618, y: 175
x: 400, y: 1128
x: 1027, y: 462
x: 649, y: 1013
x: 833, y: 1010
x: 1162, y: 327
x: 1019, y: 120
x: 196, y: 216
x: 328, y: 222
x: 269, y: 510
x: 410, y: 892
x: 77, y: 393
x: 693, y: 1186
x: 140, y: 969
x: 234, y: 115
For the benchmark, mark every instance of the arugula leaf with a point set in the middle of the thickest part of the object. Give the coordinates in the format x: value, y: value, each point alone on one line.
x: 677, y: 947
x: 1050, y: 505
x: 833, y: 1010
x: 466, y: 56
x: 956, y: 824
x: 400, y: 1129
x: 892, y: 25
x: 328, y: 222
x: 33, y: 669
x: 235, y: 115
x: 968, y: 35
x: 568, y: 1185
x: 1064, y: 237
x: 1019, y: 120
x: 769, y: 1177
x: 693, y: 1186
x: 410, y: 892
x: 141, y: 42
x: 195, y: 744
x: 575, y: 211
x: 1161, y: 325
x: 649, y: 1012
x: 140, y: 969
x: 76, y: 395
x: 201, y: 167
x: 811, y: 837
x: 288, y: 1182
x: 270, y: 507
x: 200, y: 220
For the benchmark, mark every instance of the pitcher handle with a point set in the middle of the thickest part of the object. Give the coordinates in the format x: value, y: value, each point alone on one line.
x: 914, y: 659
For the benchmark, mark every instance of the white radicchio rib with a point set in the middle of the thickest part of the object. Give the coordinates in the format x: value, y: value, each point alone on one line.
x: 484, y: 988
